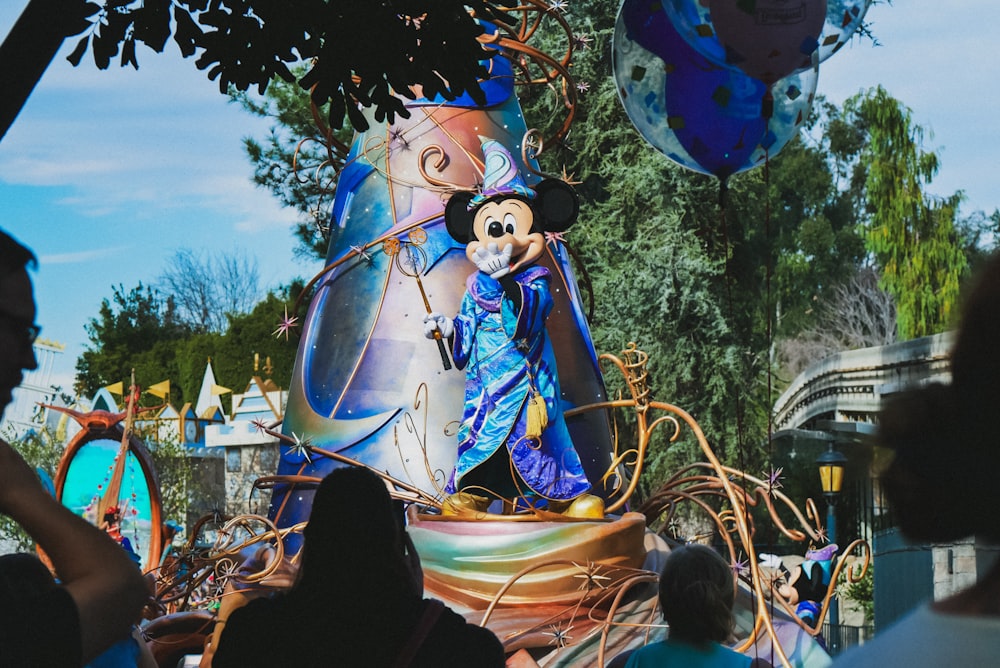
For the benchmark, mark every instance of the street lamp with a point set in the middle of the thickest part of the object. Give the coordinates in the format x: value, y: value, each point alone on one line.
x: 831, y: 476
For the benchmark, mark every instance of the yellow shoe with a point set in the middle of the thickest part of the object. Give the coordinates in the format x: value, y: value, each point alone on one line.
x: 463, y: 503
x: 585, y: 506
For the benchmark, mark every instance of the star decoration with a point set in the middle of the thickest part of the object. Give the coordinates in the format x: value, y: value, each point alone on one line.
x: 532, y: 145
x: 218, y: 587
x: 740, y: 567
x: 411, y: 260
x: 774, y: 479
x: 582, y: 41
x: 570, y: 177
x: 560, y: 637
x: 821, y: 534
x: 363, y: 255
x: 396, y: 136
x: 302, y: 447
x: 286, y: 325
x: 554, y: 238
x: 583, y: 86
x: 226, y: 569
x: 259, y: 425
x: 559, y: 5
x: 564, y: 142
x: 591, y: 577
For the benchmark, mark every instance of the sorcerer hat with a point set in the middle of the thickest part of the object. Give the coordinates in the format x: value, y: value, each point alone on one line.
x: 501, y: 176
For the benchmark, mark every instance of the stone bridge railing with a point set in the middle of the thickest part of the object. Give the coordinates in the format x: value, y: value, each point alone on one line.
x: 850, y: 386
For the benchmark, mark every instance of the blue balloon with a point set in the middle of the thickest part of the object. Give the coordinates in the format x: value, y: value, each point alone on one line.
x: 703, y: 116
x: 693, y: 20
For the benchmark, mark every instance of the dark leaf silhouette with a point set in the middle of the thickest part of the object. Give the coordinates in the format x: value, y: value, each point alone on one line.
x: 81, y: 48
x: 360, y: 53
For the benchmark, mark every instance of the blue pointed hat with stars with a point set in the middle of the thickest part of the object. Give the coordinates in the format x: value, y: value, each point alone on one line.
x: 501, y: 176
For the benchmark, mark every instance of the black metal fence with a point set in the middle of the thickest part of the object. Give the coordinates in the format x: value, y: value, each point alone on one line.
x: 841, y: 637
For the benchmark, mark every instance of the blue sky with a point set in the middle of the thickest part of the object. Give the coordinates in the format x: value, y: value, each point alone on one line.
x: 105, y: 174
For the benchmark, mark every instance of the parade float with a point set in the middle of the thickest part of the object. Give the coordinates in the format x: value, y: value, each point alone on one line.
x: 482, y: 401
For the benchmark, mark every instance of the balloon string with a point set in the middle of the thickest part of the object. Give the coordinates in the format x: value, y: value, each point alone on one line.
x: 740, y: 426
x: 767, y: 281
x: 769, y: 336
x: 738, y: 396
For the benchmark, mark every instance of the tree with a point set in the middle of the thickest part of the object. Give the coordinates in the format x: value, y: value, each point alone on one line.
x: 358, y: 51
x: 670, y: 269
x: 139, y: 331
x: 858, y: 314
x: 814, y: 220
x: 207, y: 290
x: 248, y: 338
x: 42, y: 451
x: 979, y: 235
x: 911, y: 235
x: 174, y: 471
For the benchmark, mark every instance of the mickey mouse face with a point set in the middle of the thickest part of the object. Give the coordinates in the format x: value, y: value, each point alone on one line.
x: 498, y: 219
x: 505, y: 221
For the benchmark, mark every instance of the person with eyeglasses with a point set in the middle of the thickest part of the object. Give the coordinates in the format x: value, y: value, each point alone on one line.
x: 100, y: 593
x: 18, y: 330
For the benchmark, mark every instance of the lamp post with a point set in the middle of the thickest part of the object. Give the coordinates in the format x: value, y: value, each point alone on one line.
x: 831, y: 475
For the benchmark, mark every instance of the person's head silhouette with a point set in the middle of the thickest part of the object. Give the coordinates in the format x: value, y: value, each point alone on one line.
x: 943, y: 438
x: 17, y: 316
x: 697, y: 595
x: 355, y: 535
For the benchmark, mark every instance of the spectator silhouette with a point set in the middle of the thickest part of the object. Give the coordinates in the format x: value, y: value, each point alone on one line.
x: 101, y: 593
x: 356, y: 601
x: 941, y: 486
x: 696, y: 598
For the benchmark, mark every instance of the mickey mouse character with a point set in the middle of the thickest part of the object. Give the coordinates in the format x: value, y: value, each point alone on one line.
x: 808, y: 583
x: 513, y: 441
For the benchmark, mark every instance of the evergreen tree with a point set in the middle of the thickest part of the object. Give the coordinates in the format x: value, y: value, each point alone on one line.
x: 912, y: 236
x: 662, y: 257
x: 138, y: 331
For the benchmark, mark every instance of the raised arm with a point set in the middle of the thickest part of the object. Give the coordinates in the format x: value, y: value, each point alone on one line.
x: 108, y: 589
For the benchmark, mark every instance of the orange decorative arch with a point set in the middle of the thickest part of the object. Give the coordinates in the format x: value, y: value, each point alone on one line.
x: 104, y: 425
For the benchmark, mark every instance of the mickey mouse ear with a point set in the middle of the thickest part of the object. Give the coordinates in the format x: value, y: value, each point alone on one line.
x: 458, y: 218
x: 558, y: 204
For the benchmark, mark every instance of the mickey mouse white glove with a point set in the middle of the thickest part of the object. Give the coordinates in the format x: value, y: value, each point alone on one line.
x: 435, y: 322
x: 493, y: 261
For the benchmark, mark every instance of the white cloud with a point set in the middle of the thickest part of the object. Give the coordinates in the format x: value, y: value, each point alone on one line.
x: 81, y: 256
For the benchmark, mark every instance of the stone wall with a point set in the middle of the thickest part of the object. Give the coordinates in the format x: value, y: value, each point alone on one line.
x: 958, y: 565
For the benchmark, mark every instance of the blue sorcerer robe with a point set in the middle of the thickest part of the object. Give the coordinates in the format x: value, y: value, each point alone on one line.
x: 497, y: 346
